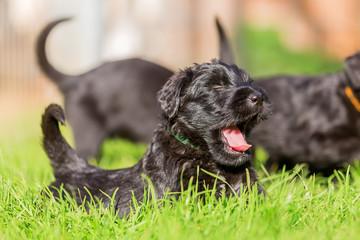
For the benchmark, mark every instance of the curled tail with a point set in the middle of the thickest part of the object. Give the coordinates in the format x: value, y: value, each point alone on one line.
x: 61, y: 79
x: 226, y: 53
x: 63, y: 157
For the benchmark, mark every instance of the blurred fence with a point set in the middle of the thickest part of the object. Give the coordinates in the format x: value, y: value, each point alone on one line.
x: 18, y: 71
x: 172, y: 33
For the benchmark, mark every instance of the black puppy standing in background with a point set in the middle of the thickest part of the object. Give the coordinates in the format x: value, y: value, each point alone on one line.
x: 116, y: 99
x: 208, y: 111
x: 110, y: 100
x: 316, y: 119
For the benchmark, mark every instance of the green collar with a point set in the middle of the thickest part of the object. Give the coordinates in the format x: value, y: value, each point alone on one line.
x: 182, y: 139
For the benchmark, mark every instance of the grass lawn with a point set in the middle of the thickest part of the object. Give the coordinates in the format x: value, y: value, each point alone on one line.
x: 297, y: 206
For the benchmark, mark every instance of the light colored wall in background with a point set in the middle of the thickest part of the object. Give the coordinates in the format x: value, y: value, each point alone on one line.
x: 76, y: 46
x: 172, y: 33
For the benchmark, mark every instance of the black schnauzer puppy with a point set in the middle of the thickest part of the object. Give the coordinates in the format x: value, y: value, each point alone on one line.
x: 316, y: 119
x: 208, y: 111
x: 111, y: 100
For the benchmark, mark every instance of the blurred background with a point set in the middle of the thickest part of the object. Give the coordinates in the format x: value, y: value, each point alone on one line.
x: 269, y: 37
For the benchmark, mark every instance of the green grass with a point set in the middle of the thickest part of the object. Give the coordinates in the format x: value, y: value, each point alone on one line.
x: 297, y: 205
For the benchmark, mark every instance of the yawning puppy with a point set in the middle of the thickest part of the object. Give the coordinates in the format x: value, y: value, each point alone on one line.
x: 208, y: 111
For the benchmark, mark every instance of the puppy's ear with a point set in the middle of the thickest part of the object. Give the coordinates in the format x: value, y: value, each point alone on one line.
x: 169, y: 95
x: 352, y: 68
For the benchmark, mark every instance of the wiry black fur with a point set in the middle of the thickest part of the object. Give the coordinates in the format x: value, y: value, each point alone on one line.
x: 313, y: 120
x: 196, y: 103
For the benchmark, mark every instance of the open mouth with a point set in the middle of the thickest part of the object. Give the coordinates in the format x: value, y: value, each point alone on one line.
x: 234, y: 138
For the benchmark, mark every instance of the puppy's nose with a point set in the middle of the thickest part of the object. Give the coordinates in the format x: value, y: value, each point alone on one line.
x: 256, y: 98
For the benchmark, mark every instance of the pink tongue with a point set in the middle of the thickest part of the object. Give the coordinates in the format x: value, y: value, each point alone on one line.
x: 235, y: 139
